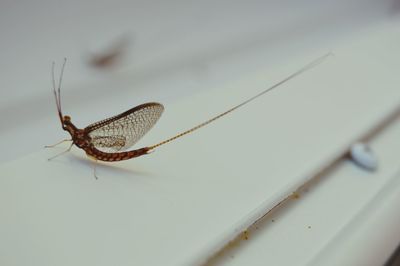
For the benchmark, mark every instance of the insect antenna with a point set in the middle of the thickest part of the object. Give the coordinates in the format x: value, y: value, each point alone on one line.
x: 298, y: 72
x: 57, y: 89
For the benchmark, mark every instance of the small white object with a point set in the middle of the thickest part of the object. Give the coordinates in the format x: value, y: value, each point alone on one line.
x: 363, y: 156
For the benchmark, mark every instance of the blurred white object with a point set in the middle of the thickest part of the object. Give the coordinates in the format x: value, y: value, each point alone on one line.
x: 362, y: 155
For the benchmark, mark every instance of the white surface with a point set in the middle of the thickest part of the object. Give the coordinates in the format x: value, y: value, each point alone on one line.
x: 348, y: 216
x: 176, y: 205
x: 189, y: 191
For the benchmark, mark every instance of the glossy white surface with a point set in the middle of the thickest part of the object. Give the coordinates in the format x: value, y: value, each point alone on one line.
x: 177, y: 205
x: 348, y: 216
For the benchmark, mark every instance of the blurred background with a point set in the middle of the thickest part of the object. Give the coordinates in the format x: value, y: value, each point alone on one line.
x: 156, y: 51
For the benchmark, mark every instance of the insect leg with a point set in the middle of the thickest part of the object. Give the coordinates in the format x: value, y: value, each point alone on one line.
x: 94, y: 168
x: 94, y: 161
x: 61, y: 153
x: 52, y: 146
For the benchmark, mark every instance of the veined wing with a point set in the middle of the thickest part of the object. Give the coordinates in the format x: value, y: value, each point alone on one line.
x: 120, y: 132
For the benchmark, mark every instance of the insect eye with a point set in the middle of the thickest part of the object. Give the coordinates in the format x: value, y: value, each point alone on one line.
x: 67, y: 118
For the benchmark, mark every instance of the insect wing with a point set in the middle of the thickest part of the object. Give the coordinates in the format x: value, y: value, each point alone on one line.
x: 120, y: 132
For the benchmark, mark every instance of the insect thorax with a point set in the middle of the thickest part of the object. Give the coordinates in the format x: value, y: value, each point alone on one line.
x: 79, y: 136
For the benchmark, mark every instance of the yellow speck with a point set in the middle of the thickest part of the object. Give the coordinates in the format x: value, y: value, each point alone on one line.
x: 295, y: 195
x: 245, y: 235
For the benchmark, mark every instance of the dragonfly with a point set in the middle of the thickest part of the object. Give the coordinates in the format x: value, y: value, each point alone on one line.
x: 109, y: 139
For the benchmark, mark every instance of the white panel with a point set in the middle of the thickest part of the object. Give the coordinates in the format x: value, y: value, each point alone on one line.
x: 179, y: 204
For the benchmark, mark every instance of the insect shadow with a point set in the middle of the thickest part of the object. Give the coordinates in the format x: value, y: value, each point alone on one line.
x: 119, y: 170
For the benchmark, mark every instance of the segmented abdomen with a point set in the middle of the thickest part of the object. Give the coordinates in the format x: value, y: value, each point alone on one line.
x: 115, y: 156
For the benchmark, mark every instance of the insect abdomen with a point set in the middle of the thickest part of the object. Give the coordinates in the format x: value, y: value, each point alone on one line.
x: 115, y: 156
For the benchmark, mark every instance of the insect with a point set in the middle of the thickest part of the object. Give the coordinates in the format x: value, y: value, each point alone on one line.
x: 109, y: 139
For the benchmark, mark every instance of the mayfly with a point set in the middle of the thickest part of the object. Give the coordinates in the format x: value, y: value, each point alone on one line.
x: 109, y: 139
